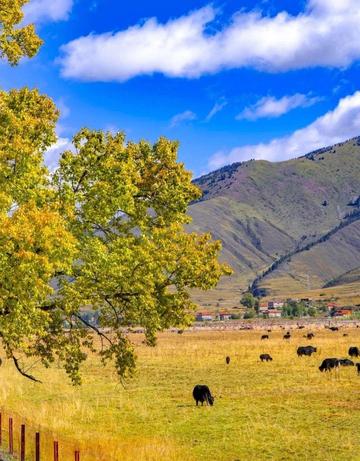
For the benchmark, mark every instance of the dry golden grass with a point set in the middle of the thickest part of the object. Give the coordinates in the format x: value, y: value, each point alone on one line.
x: 281, y: 410
x: 346, y: 295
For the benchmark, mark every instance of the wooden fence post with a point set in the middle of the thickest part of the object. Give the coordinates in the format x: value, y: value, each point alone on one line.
x: 11, y: 439
x: 37, y: 446
x: 56, y: 451
x: 77, y: 455
x: 22, y: 443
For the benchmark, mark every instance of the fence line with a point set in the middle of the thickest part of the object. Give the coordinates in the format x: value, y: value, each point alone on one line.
x: 7, y: 446
x: 23, y: 439
x: 27, y: 449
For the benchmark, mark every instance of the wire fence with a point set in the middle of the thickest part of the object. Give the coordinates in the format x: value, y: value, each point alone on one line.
x: 21, y: 440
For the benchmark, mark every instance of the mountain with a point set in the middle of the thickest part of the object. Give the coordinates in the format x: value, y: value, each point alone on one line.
x: 285, y: 226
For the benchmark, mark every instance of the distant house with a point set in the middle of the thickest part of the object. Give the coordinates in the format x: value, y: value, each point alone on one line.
x: 272, y: 313
x: 332, y: 306
x: 204, y: 316
x: 344, y: 312
x: 275, y: 304
x: 263, y: 307
x: 224, y: 315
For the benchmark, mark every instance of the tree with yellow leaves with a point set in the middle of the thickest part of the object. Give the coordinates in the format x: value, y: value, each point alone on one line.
x: 106, y: 232
x: 16, y: 42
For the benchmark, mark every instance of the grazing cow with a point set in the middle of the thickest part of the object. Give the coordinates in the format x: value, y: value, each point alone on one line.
x: 346, y: 363
x: 265, y: 337
x: 334, y: 328
x: 300, y: 327
x: 269, y: 330
x: 287, y: 336
x: 265, y: 358
x: 306, y: 350
x: 201, y: 393
x: 354, y: 351
x: 310, y: 335
x: 328, y: 364
x: 345, y: 334
x: 227, y: 360
x: 358, y: 368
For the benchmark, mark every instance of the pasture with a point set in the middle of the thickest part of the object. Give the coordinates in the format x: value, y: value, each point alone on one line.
x: 280, y: 410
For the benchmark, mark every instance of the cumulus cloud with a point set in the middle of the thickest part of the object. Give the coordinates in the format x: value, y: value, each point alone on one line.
x: 185, y: 116
x: 335, y: 126
x: 218, y: 107
x: 47, y: 10
x: 326, y: 33
x: 270, y: 107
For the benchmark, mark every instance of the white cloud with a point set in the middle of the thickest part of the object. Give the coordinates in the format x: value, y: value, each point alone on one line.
x: 325, y: 34
x: 218, y: 107
x: 335, y: 126
x: 185, y: 116
x: 52, y: 155
x: 47, y: 10
x: 270, y: 107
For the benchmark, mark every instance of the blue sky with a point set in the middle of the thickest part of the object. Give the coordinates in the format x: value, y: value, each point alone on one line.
x: 231, y: 80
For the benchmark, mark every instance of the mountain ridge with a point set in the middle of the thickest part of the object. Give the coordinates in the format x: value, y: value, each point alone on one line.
x: 263, y: 211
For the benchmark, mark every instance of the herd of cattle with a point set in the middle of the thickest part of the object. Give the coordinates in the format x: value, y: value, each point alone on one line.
x: 202, y: 394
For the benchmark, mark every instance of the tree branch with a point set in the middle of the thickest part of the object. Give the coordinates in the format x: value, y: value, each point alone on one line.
x: 94, y: 328
x: 21, y: 371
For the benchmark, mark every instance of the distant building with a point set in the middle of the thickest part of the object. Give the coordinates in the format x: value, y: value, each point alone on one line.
x: 224, y: 315
x: 263, y: 307
x: 275, y: 304
x: 204, y: 316
x: 332, y: 306
x: 344, y: 312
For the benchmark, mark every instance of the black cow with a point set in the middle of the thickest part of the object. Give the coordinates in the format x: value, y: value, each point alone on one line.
x: 334, y: 328
x: 201, y: 393
x: 265, y: 358
x: 306, y: 350
x: 328, y: 364
x: 287, y: 336
x: 354, y: 351
x: 269, y: 330
x: 300, y: 327
x: 346, y: 363
x: 345, y: 334
x: 265, y: 337
x: 227, y: 360
x: 309, y: 336
x: 358, y: 368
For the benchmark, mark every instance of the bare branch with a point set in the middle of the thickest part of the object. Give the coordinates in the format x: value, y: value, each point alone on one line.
x: 94, y: 328
x: 22, y: 372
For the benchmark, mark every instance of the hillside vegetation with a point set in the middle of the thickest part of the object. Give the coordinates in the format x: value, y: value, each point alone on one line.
x: 264, y: 212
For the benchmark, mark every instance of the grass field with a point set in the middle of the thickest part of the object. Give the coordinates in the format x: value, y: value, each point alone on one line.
x: 281, y: 410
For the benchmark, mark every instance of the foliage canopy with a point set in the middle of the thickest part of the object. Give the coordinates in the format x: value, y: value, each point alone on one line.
x: 106, y: 231
x: 16, y: 41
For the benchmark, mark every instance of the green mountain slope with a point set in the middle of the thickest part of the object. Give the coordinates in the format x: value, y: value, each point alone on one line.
x: 263, y: 211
